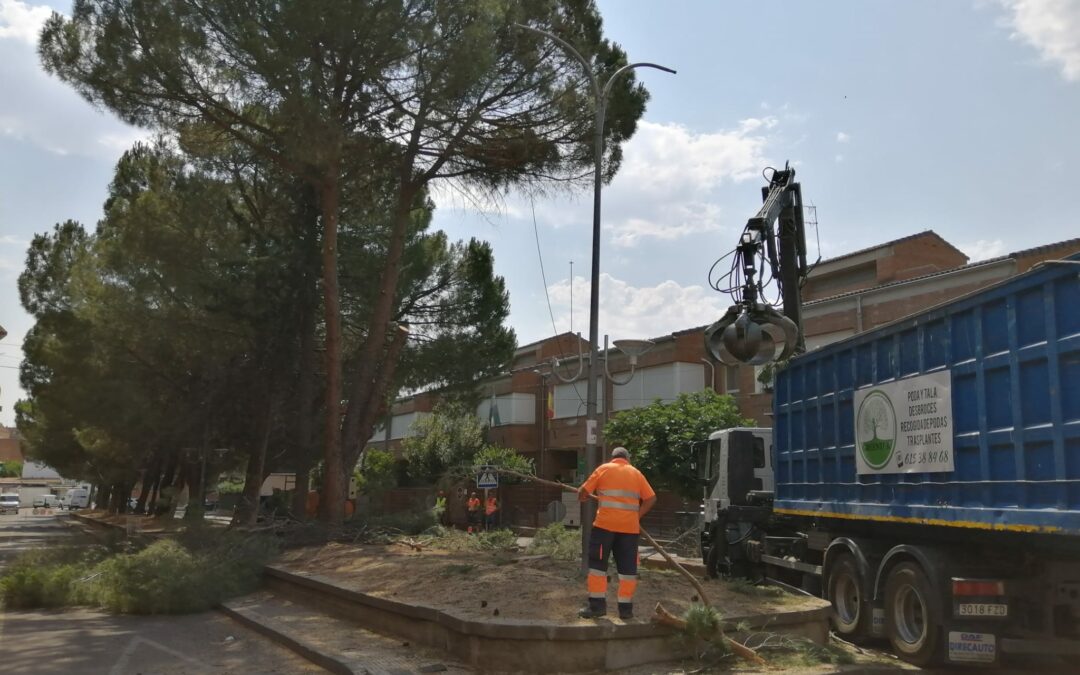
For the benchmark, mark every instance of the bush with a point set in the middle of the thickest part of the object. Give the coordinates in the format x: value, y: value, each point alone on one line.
x: 458, y: 541
x: 405, y: 522
x: 557, y: 541
x: 191, y: 574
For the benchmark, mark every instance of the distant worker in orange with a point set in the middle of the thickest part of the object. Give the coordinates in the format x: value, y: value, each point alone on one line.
x: 491, y: 508
x: 472, y: 508
x: 624, y: 497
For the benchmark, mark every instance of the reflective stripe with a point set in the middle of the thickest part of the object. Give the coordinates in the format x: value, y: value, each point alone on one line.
x: 597, y: 573
x: 612, y: 504
x: 621, y: 493
x: 627, y: 577
x: 602, y: 596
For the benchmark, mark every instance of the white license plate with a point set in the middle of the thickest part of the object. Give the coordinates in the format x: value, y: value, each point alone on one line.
x: 977, y: 647
x: 982, y: 609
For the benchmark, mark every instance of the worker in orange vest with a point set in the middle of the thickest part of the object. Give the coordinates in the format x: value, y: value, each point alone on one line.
x: 624, y: 497
x: 490, y: 509
x: 472, y: 507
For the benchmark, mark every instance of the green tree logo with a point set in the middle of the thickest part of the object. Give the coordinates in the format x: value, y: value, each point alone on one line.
x: 876, y: 428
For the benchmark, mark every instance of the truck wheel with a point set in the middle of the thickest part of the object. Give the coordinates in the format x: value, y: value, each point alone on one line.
x: 851, y: 616
x: 912, y: 615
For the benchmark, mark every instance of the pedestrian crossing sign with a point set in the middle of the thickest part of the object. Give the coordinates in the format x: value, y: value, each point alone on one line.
x: 487, y: 478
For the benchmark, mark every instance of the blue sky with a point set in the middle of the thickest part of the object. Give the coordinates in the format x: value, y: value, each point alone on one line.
x: 958, y: 116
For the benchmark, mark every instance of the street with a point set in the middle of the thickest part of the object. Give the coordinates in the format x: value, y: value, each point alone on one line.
x: 81, y: 640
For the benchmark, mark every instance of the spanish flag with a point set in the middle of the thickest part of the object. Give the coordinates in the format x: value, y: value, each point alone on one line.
x: 550, y: 412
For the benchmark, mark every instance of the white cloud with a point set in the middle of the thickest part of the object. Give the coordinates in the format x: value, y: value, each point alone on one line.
x: 838, y: 158
x: 12, y: 240
x: 22, y: 21
x: 841, y: 137
x: 662, y: 158
x: 1050, y: 26
x: 628, y: 311
x: 984, y: 249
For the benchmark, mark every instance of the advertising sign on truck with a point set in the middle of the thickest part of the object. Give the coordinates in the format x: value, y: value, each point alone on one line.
x: 905, y: 426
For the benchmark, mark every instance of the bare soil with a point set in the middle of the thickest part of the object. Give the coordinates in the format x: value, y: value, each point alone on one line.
x: 511, y: 586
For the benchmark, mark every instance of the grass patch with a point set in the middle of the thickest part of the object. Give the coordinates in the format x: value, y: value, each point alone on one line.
x: 747, y: 587
x: 557, y: 541
x: 188, y: 574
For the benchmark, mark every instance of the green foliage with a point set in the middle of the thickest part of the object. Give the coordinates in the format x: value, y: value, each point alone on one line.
x: 557, y: 541
x: 703, y: 633
x: 747, y: 587
x: 11, y: 469
x: 660, y: 436
x: 449, y: 539
x: 232, y: 484
x: 189, y: 574
x: 450, y: 437
x: 378, y: 473
x: 403, y: 522
x: 504, y: 458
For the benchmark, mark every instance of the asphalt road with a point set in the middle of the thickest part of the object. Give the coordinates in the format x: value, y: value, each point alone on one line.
x: 79, y: 640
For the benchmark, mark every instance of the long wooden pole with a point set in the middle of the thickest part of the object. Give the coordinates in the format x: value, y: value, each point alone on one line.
x: 662, y: 615
x: 648, y: 537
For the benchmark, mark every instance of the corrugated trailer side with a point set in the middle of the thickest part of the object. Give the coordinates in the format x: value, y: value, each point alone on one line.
x: 1011, y: 354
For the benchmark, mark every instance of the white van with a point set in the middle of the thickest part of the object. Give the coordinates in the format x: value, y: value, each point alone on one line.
x: 46, y: 501
x: 76, y: 498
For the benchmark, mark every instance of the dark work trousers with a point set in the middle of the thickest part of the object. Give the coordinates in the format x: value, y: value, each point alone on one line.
x: 624, y: 547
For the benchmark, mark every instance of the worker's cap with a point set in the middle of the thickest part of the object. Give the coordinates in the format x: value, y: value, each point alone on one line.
x: 620, y: 452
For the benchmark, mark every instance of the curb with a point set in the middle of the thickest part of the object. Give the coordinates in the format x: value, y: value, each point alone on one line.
x: 268, y: 628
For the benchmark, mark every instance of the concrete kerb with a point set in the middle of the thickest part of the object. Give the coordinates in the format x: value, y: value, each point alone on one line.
x: 269, y: 628
x: 521, y: 645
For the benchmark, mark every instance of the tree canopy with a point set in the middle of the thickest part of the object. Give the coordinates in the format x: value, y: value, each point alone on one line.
x: 364, y: 102
x: 660, y: 436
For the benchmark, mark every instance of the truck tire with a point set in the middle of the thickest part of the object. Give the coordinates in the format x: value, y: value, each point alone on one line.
x: 913, y: 615
x: 852, y: 615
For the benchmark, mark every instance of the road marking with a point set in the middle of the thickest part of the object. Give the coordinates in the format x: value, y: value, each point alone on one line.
x: 121, y: 664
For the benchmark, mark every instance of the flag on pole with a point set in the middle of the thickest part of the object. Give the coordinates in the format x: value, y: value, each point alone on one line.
x: 550, y: 411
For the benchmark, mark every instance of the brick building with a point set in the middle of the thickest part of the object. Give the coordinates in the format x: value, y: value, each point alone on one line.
x: 842, y: 296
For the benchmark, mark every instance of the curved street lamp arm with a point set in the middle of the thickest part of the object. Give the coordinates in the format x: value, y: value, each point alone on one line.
x: 576, y: 54
x: 631, y: 66
x: 581, y: 366
x: 617, y: 381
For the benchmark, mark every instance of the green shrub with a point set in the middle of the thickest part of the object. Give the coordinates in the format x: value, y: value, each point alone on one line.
x: 189, y: 574
x: 458, y: 541
x: 405, y: 522
x: 557, y: 541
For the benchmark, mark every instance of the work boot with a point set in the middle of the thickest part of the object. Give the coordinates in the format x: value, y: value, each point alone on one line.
x: 594, y: 610
x: 626, y: 611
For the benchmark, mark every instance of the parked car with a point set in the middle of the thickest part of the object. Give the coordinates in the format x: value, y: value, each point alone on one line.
x: 46, y: 501
x: 9, y: 503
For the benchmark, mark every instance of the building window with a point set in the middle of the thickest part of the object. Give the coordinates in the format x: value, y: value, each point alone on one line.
x: 731, y: 379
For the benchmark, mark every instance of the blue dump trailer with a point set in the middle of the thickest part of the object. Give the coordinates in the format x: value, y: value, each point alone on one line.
x: 924, y: 477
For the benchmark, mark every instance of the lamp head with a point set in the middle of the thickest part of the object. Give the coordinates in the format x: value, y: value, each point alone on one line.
x: 633, y: 348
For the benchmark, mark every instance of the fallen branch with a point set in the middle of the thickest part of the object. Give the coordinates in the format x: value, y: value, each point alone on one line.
x: 666, y: 618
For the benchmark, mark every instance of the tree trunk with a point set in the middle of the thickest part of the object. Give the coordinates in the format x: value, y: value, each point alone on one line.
x: 366, y: 395
x: 196, y: 489
x: 149, y: 483
x: 362, y: 430
x: 305, y: 394
x: 332, y: 504
x: 247, y: 511
x: 104, y: 494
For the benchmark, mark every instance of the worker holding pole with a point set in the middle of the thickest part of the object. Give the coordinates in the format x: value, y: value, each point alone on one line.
x: 624, y: 497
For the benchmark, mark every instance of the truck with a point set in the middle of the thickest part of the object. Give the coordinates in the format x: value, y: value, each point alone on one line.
x: 924, y: 477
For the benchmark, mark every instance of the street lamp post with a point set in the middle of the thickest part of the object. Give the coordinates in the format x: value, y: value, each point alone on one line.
x: 600, y: 95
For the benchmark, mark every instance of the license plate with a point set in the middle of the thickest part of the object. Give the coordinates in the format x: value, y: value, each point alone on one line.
x: 972, y: 647
x: 982, y: 609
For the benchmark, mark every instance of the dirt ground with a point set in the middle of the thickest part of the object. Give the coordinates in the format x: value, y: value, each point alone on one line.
x: 510, y: 586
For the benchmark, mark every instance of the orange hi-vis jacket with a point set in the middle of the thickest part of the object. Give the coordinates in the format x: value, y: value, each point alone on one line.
x: 473, y: 504
x: 492, y: 506
x: 620, y: 489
